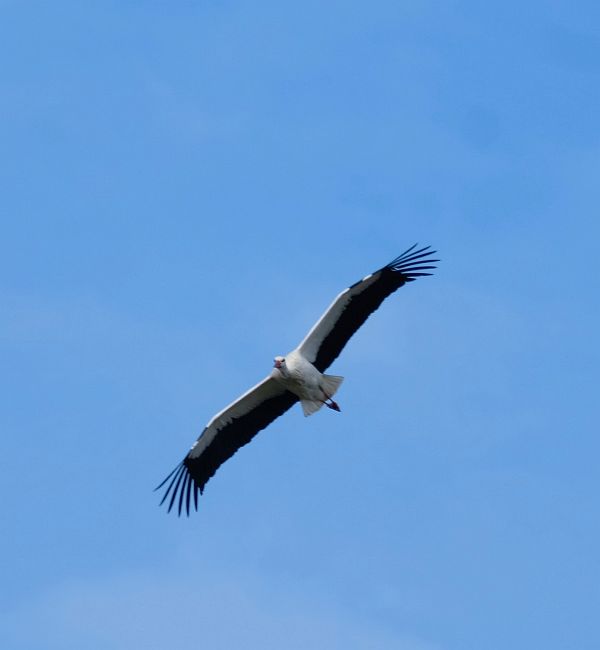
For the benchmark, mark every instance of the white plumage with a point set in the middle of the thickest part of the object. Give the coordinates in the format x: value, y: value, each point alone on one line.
x: 313, y: 388
x: 299, y: 376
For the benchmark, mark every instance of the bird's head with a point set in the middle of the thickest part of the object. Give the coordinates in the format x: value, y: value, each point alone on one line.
x: 279, y: 363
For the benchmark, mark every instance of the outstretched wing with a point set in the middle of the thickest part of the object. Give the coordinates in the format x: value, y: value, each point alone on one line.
x: 229, y: 430
x: 354, y: 305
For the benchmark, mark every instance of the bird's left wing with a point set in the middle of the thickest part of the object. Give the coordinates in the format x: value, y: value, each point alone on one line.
x: 229, y: 430
x: 354, y: 305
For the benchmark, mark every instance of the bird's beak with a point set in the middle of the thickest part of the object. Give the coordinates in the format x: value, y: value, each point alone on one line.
x: 277, y: 363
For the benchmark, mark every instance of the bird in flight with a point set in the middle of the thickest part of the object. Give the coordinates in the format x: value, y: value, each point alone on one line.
x: 297, y: 376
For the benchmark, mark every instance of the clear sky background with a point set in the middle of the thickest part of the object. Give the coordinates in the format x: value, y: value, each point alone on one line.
x: 185, y: 186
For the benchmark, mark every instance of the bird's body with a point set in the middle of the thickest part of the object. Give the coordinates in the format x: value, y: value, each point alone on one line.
x: 299, y: 376
x: 313, y: 388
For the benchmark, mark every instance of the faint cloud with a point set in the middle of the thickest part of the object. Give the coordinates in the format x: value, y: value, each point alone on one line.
x: 157, y: 611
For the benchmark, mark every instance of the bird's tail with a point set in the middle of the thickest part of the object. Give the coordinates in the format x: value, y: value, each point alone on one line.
x: 329, y: 385
x: 309, y: 406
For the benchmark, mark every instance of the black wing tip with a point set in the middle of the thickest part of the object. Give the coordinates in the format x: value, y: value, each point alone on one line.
x: 180, y: 488
x: 412, y: 263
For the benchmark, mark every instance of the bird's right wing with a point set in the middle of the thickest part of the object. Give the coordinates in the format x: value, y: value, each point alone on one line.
x: 355, y: 304
x: 229, y: 430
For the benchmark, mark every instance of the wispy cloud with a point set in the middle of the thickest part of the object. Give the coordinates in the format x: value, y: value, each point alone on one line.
x: 151, y: 610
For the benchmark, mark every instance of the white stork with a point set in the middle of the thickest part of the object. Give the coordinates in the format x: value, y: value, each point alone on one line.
x: 297, y: 376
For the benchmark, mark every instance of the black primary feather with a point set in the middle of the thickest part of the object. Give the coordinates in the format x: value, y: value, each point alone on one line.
x: 192, y: 474
x: 409, y: 266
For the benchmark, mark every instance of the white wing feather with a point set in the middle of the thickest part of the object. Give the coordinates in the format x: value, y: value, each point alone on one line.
x: 312, y: 341
x: 252, y: 398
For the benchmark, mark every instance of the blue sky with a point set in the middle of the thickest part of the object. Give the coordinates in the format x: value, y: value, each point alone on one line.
x: 185, y: 187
